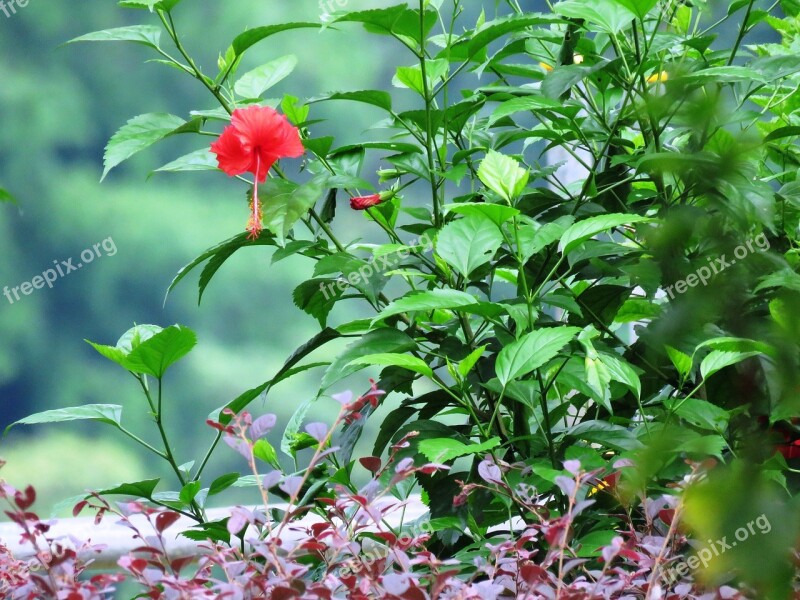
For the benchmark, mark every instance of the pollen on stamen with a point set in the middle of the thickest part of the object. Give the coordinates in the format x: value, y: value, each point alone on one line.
x: 256, y: 216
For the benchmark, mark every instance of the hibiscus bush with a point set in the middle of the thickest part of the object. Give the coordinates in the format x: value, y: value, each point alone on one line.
x: 579, y: 299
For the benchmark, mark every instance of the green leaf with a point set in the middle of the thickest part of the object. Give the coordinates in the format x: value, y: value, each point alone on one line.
x: 285, y: 203
x: 253, y: 36
x: 588, y: 228
x: 218, y: 255
x: 263, y: 450
x: 609, y: 16
x: 442, y: 450
x: 606, y: 434
x: 199, y: 160
x: 533, y: 239
x: 503, y: 175
x: 524, y: 104
x: 395, y: 20
x: 732, y: 74
x: 436, y: 299
x: 110, y: 414
x: 699, y: 413
x: 138, y: 489
x: 189, y: 492
x: 718, y: 359
x: 379, y: 341
x: 469, y: 243
x: 467, y: 49
x: 498, y: 213
x: 222, y: 483
x: 140, y: 133
x: 154, y: 355
x: 622, y: 371
x: 317, y: 297
x: 404, y: 361
x: 374, y: 97
x: 466, y: 365
x: 223, y: 254
x: 682, y: 362
x: 254, y: 83
x: 638, y: 7
x: 591, y: 545
x: 149, y: 35
x: 531, y: 351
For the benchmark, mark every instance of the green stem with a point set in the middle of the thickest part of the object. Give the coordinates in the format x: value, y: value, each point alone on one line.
x: 742, y: 33
x: 429, y: 150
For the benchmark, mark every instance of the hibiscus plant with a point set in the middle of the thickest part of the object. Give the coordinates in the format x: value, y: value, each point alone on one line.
x: 583, y: 302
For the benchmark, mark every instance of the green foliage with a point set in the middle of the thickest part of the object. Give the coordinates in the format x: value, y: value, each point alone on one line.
x: 509, y: 333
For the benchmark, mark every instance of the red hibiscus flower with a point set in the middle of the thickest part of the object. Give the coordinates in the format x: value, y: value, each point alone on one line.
x: 257, y: 137
x: 365, y: 202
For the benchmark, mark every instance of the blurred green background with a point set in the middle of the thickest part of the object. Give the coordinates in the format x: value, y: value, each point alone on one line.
x: 60, y: 104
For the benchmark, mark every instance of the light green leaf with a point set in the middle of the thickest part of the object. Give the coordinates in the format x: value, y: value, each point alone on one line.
x: 436, y: 299
x: 621, y: 371
x: 466, y: 365
x: 254, y: 83
x: 531, y: 351
x: 149, y: 35
x: 608, y: 15
x: 154, y: 355
x: 498, y: 213
x: 503, y: 175
x: 469, y: 243
x: 588, y: 228
x: 442, y: 450
x: 682, y: 362
x: 405, y: 361
x: 199, y: 160
x: 285, y: 203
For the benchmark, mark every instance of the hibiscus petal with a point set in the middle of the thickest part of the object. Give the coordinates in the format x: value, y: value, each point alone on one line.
x: 232, y: 157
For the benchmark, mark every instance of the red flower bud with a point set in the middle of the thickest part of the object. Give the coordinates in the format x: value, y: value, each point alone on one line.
x: 365, y: 202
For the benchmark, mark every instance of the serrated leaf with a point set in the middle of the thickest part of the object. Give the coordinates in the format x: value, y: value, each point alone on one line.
x: 285, y: 203
x: 436, y: 299
x: 469, y: 243
x: 531, y: 351
x: 404, y: 361
x: 139, y: 133
x: 442, y: 450
x: 588, y: 228
x: 503, y: 175
x: 156, y: 354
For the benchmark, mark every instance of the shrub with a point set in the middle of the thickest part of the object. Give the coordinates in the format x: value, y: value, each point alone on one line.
x: 627, y: 322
